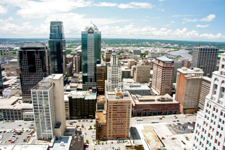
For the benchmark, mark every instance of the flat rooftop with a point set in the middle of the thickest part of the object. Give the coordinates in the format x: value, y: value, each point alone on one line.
x: 101, y: 117
x: 33, y: 45
x: 101, y: 98
x: 149, y: 99
x: 83, y: 94
x: 135, y: 86
x: 30, y: 147
x: 112, y: 96
x: 186, y: 70
x: 14, y: 103
x: 164, y: 59
x: 207, y: 78
x: 63, y: 143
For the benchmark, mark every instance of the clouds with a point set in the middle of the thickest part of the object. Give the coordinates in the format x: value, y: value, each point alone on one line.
x: 202, y: 26
x: 135, y: 5
x: 3, y: 10
x: 209, y: 18
x: 189, y: 20
x: 106, y: 4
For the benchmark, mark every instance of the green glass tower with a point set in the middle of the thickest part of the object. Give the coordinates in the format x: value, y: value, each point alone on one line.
x: 91, y: 55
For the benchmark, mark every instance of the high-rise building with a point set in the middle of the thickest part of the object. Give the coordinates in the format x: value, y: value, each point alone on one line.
x: 205, y: 87
x: 114, y: 122
x: 188, y: 88
x: 162, y: 81
x: 91, y: 55
x: 101, y: 76
x: 141, y: 73
x: 205, y: 57
x: 114, y: 74
x: 57, y: 46
x: 210, y: 124
x: 1, y: 83
x: 34, y: 65
x: 49, y: 107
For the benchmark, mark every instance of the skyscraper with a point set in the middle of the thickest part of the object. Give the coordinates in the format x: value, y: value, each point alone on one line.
x: 57, y: 46
x: 91, y: 55
x: 162, y: 80
x: 210, y: 124
x: 205, y: 57
x: 101, y: 76
x: 114, y: 74
x: 48, y: 107
x: 34, y: 65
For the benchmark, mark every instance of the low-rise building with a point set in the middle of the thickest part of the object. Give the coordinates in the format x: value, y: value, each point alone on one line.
x: 82, y: 104
x: 137, y: 88
x: 154, y: 105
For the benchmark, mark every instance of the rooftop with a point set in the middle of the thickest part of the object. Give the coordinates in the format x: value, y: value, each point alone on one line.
x: 100, y: 117
x: 207, y: 78
x: 135, y: 86
x: 91, y: 25
x: 33, y: 45
x: 164, y: 59
x: 158, y: 99
x: 62, y: 143
x: 101, y: 98
x: 83, y: 94
x: 186, y: 70
x: 112, y: 96
x: 14, y: 103
x: 77, y: 143
x: 29, y: 147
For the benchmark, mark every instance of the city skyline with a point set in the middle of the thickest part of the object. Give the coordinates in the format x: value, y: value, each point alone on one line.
x: 159, y: 19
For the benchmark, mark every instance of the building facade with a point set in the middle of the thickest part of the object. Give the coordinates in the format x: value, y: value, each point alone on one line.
x: 136, y: 88
x: 101, y: 76
x: 57, y: 46
x: 205, y: 87
x: 82, y: 104
x: 154, y: 105
x: 114, y: 122
x: 91, y: 55
x: 209, y: 131
x: 141, y: 73
x: 49, y: 107
x: 34, y: 65
x: 205, y: 57
x: 114, y: 74
x: 188, y: 88
x: 163, y: 72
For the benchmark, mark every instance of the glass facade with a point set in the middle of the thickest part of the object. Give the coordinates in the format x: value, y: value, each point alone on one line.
x: 91, y: 55
x: 57, y: 45
x: 1, y: 83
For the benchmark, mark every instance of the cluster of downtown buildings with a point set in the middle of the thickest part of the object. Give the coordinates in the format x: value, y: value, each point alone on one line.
x: 108, y: 96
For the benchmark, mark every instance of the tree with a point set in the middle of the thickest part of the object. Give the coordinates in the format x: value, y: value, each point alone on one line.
x: 142, y: 55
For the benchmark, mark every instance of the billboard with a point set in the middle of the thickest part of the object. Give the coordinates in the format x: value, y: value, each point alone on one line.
x: 1, y: 115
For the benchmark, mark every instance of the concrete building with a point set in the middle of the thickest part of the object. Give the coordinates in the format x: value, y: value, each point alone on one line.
x: 126, y: 72
x: 100, y: 105
x: 108, y: 54
x: 186, y: 63
x: 49, y: 107
x: 11, y: 68
x: 77, y: 63
x: 82, y: 104
x: 91, y: 55
x: 141, y: 73
x: 177, y: 64
x: 137, y: 52
x: 188, y: 88
x: 131, y: 62
x: 34, y: 65
x: 156, y: 54
x: 114, y: 75
x: 205, y: 57
x: 13, y: 108
x: 154, y: 105
x: 205, y: 87
x: 210, y: 124
x: 163, y: 72
x: 136, y: 88
x: 66, y: 101
x: 101, y: 76
x: 12, y: 90
x: 114, y: 122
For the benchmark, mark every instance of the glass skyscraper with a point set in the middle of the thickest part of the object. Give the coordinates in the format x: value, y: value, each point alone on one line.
x: 91, y: 55
x: 57, y: 46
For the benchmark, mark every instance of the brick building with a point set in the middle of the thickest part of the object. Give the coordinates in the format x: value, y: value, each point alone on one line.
x: 163, y: 72
x: 154, y: 105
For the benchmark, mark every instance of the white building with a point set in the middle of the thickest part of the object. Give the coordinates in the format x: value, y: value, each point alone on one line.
x: 210, y: 124
x: 48, y: 107
x: 114, y: 75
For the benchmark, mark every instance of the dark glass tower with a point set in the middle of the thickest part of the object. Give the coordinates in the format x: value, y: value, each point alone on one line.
x: 91, y: 55
x: 1, y: 83
x: 34, y: 65
x: 57, y: 46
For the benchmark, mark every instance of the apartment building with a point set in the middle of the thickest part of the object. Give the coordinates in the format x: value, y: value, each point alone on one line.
x: 163, y: 72
x: 188, y: 88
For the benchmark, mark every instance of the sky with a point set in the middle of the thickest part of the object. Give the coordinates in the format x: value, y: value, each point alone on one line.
x: 192, y: 20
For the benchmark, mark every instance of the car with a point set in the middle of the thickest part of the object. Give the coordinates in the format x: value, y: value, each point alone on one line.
x: 4, y: 142
x: 179, y: 124
x: 12, y: 141
x: 4, y: 131
x: 174, y: 120
x: 0, y: 131
x: 91, y: 121
x: 79, y: 120
x: 20, y: 125
x: 189, y: 123
x: 83, y: 120
x: 177, y: 120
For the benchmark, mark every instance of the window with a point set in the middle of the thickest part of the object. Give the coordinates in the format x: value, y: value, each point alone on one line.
x: 215, y: 88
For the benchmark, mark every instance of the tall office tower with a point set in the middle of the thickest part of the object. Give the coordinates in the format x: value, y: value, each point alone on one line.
x: 34, y: 65
x: 115, y: 123
x: 162, y: 81
x: 49, y: 107
x: 188, y: 88
x: 141, y: 73
x: 101, y: 76
x: 210, y: 124
x: 57, y: 46
x: 205, y: 87
x: 91, y: 55
x: 205, y: 57
x: 77, y: 63
x: 114, y: 74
